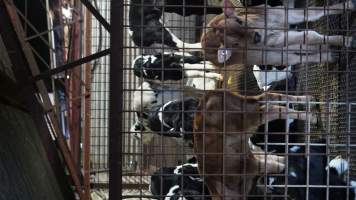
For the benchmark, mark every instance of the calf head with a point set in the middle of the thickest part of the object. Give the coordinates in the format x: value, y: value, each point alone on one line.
x: 228, y: 31
x: 222, y: 35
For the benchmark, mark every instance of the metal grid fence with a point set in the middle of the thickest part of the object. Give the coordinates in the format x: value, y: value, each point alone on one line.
x: 331, y: 85
x: 134, y: 161
x: 99, y: 98
x: 150, y: 157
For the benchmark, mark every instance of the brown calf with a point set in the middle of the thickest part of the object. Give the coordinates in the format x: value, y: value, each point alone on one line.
x: 245, y: 31
x: 223, y: 125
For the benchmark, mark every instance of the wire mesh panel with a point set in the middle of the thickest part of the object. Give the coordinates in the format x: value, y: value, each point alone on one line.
x: 99, y: 98
x: 210, y: 101
x: 222, y: 99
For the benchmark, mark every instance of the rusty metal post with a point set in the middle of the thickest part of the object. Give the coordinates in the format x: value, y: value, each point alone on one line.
x: 74, y: 89
x: 87, y: 107
x: 115, y: 104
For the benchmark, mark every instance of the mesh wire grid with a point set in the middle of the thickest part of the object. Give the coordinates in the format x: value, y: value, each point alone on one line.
x: 99, y: 98
x: 334, y: 122
x: 138, y: 158
x: 145, y: 152
x: 336, y: 85
x: 333, y: 84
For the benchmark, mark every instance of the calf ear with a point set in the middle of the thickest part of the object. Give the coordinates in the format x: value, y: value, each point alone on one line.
x: 228, y: 7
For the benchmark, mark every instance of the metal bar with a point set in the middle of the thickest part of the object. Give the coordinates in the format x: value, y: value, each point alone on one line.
x: 87, y: 107
x: 29, y: 38
x: 71, y: 65
x: 96, y: 14
x: 116, y: 101
x: 74, y: 91
x: 27, y: 22
x: 16, y: 22
x: 127, y: 186
x: 35, y: 52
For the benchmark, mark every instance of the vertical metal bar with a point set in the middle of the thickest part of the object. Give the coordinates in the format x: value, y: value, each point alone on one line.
x: 328, y: 152
x: 74, y: 89
x: 87, y: 108
x: 115, y: 100
x: 348, y: 139
x: 307, y: 128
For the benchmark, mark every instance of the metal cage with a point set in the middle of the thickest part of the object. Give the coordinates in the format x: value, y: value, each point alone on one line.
x: 145, y: 107
x: 330, y: 139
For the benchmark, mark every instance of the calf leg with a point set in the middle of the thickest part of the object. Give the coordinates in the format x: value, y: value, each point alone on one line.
x: 322, y: 57
x: 274, y: 112
x: 182, y: 46
x: 201, y: 74
x: 307, y: 48
x: 199, y: 66
x: 282, y: 97
x: 257, y: 57
x: 198, y: 70
x: 296, y: 16
x: 310, y: 37
x: 274, y: 163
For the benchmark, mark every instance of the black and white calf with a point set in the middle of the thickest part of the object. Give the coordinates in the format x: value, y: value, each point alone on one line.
x: 188, y: 7
x: 318, y: 172
x: 147, y: 30
x: 181, y: 182
x: 173, y: 66
x: 150, y: 94
x: 202, y: 7
x: 139, y: 129
x: 173, y: 119
x: 267, y: 75
x: 145, y: 97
